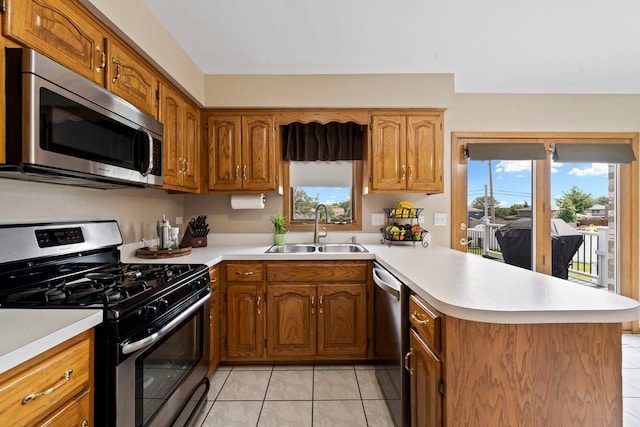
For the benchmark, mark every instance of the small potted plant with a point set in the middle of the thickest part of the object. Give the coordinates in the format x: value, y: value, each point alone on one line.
x: 279, y: 230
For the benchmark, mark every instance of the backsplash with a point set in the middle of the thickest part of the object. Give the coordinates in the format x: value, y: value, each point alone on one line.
x: 136, y: 210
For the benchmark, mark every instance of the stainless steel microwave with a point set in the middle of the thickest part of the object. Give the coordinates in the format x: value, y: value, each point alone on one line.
x: 65, y: 129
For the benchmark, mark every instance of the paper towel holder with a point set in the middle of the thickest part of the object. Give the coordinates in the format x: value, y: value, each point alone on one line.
x: 248, y: 201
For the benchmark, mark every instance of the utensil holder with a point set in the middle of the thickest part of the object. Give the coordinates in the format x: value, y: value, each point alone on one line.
x: 194, y: 242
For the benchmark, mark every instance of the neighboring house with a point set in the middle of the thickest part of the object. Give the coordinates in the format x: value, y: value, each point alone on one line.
x: 597, y: 210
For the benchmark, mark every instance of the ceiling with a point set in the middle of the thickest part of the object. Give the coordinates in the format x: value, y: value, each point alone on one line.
x: 490, y: 46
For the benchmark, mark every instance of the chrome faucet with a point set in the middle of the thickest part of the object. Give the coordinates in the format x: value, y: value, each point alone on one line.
x: 316, y: 235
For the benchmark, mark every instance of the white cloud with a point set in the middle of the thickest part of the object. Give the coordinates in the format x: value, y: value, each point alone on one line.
x: 596, y: 169
x: 511, y: 166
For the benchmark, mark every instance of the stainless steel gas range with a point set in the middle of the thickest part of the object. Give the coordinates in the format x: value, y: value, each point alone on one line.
x: 152, y: 347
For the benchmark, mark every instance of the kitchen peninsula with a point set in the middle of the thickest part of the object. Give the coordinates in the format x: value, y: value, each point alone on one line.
x: 518, y: 347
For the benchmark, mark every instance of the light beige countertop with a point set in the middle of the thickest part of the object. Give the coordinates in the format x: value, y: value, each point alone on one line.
x: 457, y: 284
x: 27, y: 333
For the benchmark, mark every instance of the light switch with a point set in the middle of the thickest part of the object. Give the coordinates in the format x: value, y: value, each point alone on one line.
x: 377, y: 219
x: 439, y: 219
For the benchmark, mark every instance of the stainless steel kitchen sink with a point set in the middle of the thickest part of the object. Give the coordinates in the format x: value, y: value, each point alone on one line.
x: 308, y: 247
x: 288, y: 249
x: 341, y: 247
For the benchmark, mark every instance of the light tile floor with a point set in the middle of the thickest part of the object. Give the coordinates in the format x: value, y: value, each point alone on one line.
x: 347, y: 395
x: 295, y: 395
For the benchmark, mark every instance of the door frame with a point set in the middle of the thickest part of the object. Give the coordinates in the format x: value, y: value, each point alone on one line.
x: 627, y: 211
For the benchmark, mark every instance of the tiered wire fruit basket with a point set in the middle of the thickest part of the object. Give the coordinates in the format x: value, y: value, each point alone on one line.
x: 403, y: 226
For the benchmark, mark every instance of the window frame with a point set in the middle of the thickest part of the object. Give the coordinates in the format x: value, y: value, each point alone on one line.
x: 628, y: 212
x: 356, y: 203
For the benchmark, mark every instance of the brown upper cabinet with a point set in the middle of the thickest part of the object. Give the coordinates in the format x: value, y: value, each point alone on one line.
x: 243, y: 153
x: 406, y: 153
x: 65, y: 32
x: 62, y: 31
x: 181, y: 121
x: 130, y: 78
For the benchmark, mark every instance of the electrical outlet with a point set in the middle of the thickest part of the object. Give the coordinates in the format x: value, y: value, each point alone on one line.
x: 377, y: 219
x: 439, y: 219
x: 178, y: 220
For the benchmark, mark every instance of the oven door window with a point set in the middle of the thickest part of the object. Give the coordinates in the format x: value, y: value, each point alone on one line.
x: 161, y: 369
x: 69, y: 128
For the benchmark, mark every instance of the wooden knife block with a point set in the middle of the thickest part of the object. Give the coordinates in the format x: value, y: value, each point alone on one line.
x: 194, y: 242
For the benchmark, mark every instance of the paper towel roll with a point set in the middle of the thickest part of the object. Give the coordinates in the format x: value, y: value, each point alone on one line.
x: 247, y: 201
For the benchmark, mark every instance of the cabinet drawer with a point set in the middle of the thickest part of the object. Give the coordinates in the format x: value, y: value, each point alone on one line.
x: 213, y: 276
x: 425, y: 320
x: 56, y: 379
x: 344, y: 272
x: 244, y: 272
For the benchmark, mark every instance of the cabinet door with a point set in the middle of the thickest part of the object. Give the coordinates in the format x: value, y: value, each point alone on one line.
x: 291, y: 320
x: 131, y: 79
x: 60, y: 30
x: 214, y: 319
x: 424, y: 154
x: 388, y: 153
x: 75, y: 413
x: 258, y: 153
x: 245, y: 305
x: 426, y: 375
x: 224, y: 152
x: 171, y: 118
x: 190, y: 147
x: 342, y: 320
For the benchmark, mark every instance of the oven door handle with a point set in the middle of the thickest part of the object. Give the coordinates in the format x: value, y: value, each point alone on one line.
x: 149, y: 340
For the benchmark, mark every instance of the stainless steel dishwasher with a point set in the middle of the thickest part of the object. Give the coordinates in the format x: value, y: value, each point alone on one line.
x: 391, y: 342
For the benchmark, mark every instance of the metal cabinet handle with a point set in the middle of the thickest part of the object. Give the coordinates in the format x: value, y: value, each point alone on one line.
x: 103, y: 60
x: 186, y: 166
x: 117, y: 64
x: 213, y: 280
x: 414, y: 317
x: 237, y: 172
x: 244, y: 172
x: 404, y: 173
x: 65, y: 378
x: 406, y: 361
x: 258, y: 306
x: 410, y: 172
x: 313, y: 300
x: 246, y: 273
x: 320, y: 309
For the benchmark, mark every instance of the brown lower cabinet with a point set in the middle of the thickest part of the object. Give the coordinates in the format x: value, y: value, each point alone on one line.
x: 426, y: 375
x: 214, y: 318
x: 467, y: 372
x: 296, y: 311
x: 424, y: 364
x: 52, y: 389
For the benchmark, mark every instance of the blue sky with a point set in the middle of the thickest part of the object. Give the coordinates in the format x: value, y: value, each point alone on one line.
x: 512, y: 180
x: 329, y: 195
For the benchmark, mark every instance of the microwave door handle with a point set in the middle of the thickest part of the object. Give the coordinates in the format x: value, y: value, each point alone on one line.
x: 150, y: 151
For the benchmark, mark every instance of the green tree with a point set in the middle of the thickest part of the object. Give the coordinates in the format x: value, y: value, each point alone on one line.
x: 304, y: 204
x: 580, y: 200
x: 566, y: 210
x: 602, y: 200
x: 478, y: 202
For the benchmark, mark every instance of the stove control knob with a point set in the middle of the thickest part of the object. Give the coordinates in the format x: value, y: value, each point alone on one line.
x: 150, y: 312
x: 163, y: 305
